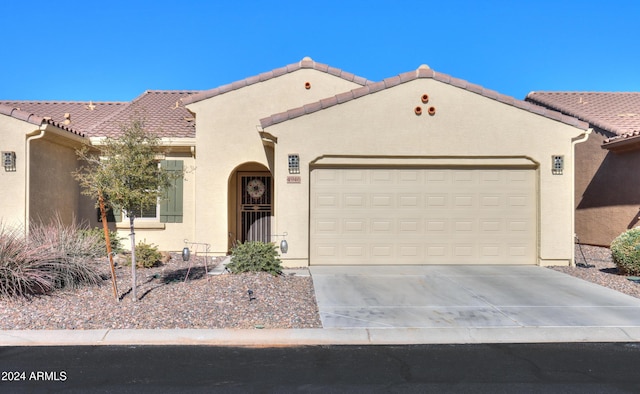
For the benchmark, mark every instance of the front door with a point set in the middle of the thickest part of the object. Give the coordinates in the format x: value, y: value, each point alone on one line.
x: 255, y: 206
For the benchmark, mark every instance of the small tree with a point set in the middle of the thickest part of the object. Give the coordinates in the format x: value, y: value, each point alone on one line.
x: 126, y: 175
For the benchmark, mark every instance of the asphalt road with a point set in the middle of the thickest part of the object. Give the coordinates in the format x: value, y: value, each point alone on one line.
x: 487, y: 368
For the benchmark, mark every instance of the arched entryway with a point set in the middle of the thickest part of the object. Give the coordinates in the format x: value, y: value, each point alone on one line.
x: 250, y: 204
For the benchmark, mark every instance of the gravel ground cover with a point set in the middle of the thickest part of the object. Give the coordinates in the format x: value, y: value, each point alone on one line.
x: 601, y: 270
x: 221, y: 301
x: 167, y: 301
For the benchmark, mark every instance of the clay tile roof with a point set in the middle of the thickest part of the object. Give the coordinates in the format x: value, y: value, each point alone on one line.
x: 162, y: 111
x: 32, y: 111
x: 421, y: 72
x: 615, y: 112
x: 19, y: 114
x: 304, y: 63
x: 82, y: 115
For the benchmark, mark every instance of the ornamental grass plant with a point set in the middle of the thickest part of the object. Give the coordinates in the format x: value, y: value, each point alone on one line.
x: 54, y: 256
x: 23, y: 267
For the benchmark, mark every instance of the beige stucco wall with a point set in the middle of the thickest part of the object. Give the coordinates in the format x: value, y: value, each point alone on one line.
x: 227, y: 138
x: 607, y: 191
x: 466, y: 124
x: 53, y: 190
x: 12, y: 184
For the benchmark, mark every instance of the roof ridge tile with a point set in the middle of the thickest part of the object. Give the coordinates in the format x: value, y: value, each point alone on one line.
x: 328, y: 102
x: 408, y: 76
x: 423, y: 72
x: 344, y: 97
x: 306, y: 63
x: 392, y: 81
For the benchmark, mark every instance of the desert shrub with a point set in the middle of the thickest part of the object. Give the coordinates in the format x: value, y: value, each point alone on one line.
x: 115, y: 240
x: 54, y: 256
x: 66, y: 240
x: 253, y: 256
x: 70, y: 252
x: 147, y: 256
x: 23, y: 268
x: 625, y: 250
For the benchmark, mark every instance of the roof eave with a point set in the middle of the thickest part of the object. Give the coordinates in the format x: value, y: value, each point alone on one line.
x: 618, y: 145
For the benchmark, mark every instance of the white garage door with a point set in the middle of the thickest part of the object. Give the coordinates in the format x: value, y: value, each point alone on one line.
x: 423, y: 216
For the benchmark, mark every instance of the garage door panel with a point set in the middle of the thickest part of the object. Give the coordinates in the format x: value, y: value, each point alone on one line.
x: 386, y: 200
x: 325, y: 201
x: 463, y: 225
x: 382, y: 177
x: 383, y: 226
x: 437, y: 177
x: 423, y: 216
x: 326, y: 226
x: 435, y: 201
x: 410, y: 226
x: 410, y: 177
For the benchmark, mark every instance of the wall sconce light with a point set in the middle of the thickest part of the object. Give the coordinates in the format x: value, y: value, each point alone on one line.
x: 9, y: 161
x: 294, y: 163
x: 557, y: 164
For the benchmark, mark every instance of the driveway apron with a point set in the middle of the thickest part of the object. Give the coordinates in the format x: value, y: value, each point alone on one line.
x: 465, y: 297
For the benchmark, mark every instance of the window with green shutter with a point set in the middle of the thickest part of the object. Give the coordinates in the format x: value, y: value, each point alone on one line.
x: 171, y: 203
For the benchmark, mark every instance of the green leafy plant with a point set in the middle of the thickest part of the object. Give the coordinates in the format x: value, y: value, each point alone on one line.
x: 147, y: 255
x: 254, y: 256
x: 625, y: 250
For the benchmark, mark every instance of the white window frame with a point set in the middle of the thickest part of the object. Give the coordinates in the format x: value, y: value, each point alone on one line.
x: 146, y: 218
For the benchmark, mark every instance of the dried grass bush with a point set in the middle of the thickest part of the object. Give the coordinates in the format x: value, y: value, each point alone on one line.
x: 54, y: 256
x: 23, y: 268
x: 72, y: 251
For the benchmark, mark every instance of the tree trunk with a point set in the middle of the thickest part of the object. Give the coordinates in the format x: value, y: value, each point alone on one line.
x: 134, y: 293
x: 105, y: 227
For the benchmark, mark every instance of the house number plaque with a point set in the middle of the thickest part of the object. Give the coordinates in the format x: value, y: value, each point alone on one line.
x: 294, y: 179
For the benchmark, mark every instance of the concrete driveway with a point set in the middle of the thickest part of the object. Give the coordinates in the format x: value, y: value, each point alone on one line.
x: 465, y: 297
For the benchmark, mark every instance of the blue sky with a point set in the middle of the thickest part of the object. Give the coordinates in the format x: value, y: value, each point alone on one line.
x: 115, y: 50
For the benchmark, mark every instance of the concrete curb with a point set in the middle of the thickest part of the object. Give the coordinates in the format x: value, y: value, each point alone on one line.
x: 316, y: 337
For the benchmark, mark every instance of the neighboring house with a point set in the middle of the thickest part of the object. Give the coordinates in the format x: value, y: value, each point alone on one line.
x: 607, y: 184
x: 421, y: 168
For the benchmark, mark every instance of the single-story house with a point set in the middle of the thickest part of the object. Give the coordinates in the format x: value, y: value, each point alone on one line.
x: 607, y: 188
x: 420, y: 168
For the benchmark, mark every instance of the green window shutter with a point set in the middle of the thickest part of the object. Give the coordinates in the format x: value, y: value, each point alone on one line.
x: 171, y: 204
x: 117, y: 215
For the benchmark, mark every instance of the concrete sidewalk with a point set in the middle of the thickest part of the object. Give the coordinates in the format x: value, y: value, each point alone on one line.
x: 319, y: 336
x: 413, y: 305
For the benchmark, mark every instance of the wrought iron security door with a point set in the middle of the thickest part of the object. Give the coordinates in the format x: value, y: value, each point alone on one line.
x: 255, y: 203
